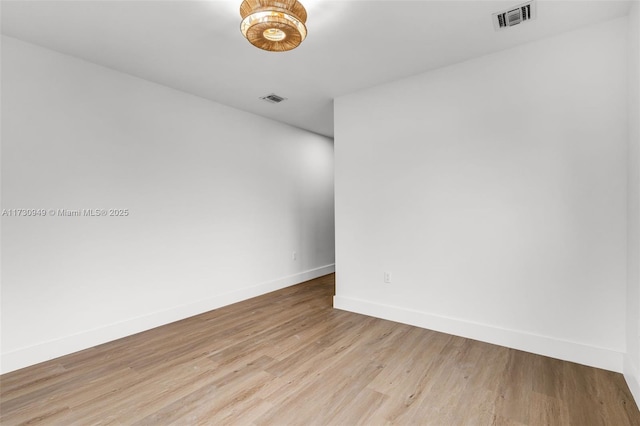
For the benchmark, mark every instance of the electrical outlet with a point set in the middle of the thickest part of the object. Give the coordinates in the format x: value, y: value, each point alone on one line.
x: 294, y: 256
x: 387, y: 277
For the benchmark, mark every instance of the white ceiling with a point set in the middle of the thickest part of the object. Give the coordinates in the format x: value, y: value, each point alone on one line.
x: 197, y: 47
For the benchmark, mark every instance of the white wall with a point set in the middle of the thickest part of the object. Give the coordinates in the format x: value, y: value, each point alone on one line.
x: 632, y: 360
x: 218, y: 199
x: 494, y: 191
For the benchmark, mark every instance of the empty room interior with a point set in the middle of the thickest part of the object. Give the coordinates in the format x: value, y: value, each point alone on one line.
x: 281, y: 212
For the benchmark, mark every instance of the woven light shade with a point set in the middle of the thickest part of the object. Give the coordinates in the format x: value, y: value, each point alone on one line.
x: 274, y: 25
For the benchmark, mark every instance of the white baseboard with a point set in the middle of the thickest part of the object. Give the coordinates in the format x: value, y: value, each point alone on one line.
x: 45, y: 351
x: 632, y: 375
x: 543, y: 345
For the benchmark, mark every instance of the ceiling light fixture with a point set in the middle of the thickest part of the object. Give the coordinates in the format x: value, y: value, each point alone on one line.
x: 273, y: 25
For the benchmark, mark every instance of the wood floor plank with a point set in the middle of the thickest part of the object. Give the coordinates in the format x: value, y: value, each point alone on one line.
x: 289, y: 358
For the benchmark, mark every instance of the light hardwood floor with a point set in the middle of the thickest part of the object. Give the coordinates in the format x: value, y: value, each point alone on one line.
x: 289, y: 358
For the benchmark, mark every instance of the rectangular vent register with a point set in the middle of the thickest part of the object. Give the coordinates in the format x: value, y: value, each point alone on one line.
x: 514, y: 15
x: 273, y: 98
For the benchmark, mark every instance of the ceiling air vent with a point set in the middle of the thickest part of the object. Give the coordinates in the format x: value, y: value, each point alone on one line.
x: 514, y: 15
x: 273, y: 98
